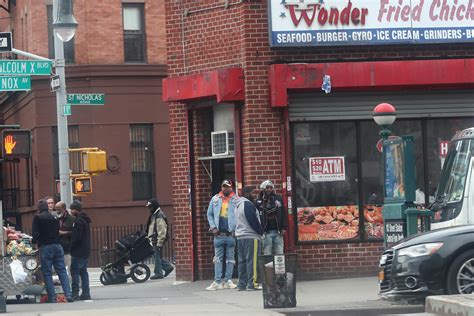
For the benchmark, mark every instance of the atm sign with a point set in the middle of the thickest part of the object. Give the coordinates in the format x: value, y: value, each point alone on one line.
x: 326, y: 169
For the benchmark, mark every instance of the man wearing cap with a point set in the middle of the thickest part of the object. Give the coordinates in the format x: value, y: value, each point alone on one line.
x: 157, y: 226
x: 273, y: 218
x: 221, y: 218
x: 45, y: 233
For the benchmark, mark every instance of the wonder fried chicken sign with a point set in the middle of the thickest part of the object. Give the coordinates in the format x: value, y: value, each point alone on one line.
x: 369, y: 22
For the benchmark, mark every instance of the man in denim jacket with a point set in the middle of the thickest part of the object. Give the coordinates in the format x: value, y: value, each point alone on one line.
x: 221, y: 217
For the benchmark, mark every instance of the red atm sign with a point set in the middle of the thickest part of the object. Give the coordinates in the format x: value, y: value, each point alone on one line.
x: 325, y: 169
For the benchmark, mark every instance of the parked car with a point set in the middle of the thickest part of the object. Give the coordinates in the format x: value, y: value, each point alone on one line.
x: 436, y: 262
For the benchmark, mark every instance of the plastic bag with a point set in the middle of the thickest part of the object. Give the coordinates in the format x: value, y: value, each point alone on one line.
x: 18, y: 273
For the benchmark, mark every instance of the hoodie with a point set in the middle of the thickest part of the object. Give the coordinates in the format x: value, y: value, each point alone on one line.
x: 247, y: 221
x: 81, y: 237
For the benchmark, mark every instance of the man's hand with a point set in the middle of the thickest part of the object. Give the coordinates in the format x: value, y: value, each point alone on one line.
x: 214, y: 231
x: 283, y: 232
x: 9, y: 144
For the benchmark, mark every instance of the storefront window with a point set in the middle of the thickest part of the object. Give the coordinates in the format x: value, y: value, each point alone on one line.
x: 326, y: 171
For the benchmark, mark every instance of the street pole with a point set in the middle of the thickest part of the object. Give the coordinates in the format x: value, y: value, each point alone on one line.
x: 63, y: 136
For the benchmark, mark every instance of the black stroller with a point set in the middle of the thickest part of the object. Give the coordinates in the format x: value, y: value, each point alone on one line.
x: 132, y: 250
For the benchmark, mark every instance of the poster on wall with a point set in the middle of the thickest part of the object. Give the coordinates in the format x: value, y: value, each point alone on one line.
x: 373, y: 225
x: 328, y: 223
x: 369, y: 22
x: 326, y: 169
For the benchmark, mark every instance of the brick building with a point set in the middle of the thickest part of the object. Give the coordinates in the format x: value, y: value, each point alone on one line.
x: 119, y: 50
x: 253, y: 71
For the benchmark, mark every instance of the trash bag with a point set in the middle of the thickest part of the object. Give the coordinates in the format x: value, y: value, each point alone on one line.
x: 18, y: 273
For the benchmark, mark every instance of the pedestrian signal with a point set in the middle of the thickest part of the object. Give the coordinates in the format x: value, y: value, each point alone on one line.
x: 16, y: 143
x: 94, y: 161
x: 82, y: 185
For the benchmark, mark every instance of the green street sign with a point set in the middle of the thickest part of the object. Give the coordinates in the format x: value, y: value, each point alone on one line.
x: 86, y: 98
x: 15, y: 83
x: 25, y: 67
x: 67, y: 109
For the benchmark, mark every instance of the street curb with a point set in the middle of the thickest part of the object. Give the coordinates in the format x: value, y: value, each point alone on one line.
x: 348, y: 311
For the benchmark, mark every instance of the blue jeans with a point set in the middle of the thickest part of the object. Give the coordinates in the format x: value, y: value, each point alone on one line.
x: 53, y: 255
x: 79, y: 269
x: 224, y: 244
x: 273, y: 243
x: 248, y: 251
x: 160, y: 263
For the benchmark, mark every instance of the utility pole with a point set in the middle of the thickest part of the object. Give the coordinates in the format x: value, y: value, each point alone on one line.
x: 62, y: 11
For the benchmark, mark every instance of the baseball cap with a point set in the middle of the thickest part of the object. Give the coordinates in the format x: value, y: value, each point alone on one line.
x: 227, y: 183
x: 266, y: 183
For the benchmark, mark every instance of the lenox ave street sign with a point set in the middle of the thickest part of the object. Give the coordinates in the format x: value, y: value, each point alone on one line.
x: 25, y: 67
x: 15, y: 83
x: 86, y: 98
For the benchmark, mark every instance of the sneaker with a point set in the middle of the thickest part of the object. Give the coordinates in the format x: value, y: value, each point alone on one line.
x: 167, y: 272
x: 229, y: 285
x: 156, y: 277
x: 240, y: 288
x: 85, y: 297
x: 259, y: 287
x: 70, y: 299
x: 214, y: 286
x: 251, y: 289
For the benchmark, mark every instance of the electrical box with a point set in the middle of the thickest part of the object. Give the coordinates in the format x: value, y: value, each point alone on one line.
x: 94, y: 161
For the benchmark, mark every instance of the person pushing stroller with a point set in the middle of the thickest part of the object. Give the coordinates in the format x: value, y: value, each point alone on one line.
x: 157, y: 232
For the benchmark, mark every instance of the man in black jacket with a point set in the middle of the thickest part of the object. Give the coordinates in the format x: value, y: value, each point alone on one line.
x: 45, y: 232
x: 273, y: 218
x: 80, y: 251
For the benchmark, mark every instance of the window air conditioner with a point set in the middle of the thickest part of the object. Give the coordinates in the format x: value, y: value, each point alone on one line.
x: 222, y: 143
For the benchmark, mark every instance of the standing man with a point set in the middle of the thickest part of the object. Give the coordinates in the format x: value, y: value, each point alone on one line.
x: 66, y: 221
x: 221, y: 218
x: 249, y: 233
x: 157, y: 226
x: 273, y: 218
x: 45, y: 233
x: 80, y: 251
x: 51, y: 204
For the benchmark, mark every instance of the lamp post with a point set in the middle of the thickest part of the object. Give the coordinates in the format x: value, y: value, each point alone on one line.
x: 64, y: 29
x: 384, y: 115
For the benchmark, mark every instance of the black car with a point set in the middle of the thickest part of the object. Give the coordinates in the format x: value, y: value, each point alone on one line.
x: 435, y: 262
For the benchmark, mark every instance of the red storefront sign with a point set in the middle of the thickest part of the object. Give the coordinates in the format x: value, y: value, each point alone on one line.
x: 325, y: 169
x: 443, y: 148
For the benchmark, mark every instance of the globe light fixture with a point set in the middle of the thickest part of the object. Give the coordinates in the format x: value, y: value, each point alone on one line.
x: 384, y: 114
x: 65, y: 24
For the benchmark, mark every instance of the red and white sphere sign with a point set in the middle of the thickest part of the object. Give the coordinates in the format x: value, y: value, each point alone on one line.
x: 325, y: 169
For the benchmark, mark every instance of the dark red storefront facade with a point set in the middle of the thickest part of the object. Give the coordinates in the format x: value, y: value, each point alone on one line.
x: 220, y: 61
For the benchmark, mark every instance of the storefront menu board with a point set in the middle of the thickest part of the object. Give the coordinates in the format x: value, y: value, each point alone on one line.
x: 395, y: 231
x: 369, y: 22
x: 328, y: 223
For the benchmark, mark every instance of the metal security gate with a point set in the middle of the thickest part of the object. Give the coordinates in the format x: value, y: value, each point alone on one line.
x: 318, y: 106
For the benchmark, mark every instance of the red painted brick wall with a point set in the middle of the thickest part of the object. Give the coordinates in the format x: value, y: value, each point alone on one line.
x: 206, y: 35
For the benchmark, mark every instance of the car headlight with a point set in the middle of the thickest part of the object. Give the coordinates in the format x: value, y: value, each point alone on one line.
x: 420, y: 250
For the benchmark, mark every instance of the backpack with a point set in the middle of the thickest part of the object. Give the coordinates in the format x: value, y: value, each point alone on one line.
x: 167, y: 226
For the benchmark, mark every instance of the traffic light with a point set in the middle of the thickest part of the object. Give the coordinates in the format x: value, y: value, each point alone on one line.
x: 94, y: 161
x: 82, y: 185
x: 16, y: 143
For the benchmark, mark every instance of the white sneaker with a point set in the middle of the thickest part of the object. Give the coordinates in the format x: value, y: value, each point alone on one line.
x: 214, y: 286
x: 229, y: 285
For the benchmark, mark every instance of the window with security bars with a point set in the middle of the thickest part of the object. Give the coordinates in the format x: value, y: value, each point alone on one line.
x: 69, y: 53
x: 134, y: 32
x: 143, y: 161
x: 74, y: 157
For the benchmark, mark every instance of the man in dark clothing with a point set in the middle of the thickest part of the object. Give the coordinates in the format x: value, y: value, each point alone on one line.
x: 80, y: 251
x: 157, y: 231
x: 273, y: 218
x: 66, y: 221
x: 45, y: 232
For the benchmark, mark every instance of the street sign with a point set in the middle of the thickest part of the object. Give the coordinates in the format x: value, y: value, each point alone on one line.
x: 25, y: 67
x: 86, y: 99
x: 15, y: 83
x: 55, y: 83
x: 5, y: 42
x: 67, y: 109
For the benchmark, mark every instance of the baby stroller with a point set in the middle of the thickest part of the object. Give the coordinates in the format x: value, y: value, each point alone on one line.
x: 132, y: 250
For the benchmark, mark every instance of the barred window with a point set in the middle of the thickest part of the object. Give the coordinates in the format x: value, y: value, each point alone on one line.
x: 134, y: 32
x: 142, y: 160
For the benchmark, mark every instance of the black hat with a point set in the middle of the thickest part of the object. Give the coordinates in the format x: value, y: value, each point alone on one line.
x: 153, y: 204
x: 226, y: 183
x: 76, y: 205
x: 42, y: 205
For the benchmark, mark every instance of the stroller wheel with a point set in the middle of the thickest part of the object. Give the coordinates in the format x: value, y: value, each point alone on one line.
x: 103, y: 279
x: 140, y: 273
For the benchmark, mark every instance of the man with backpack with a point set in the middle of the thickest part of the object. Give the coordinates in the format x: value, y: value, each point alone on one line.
x: 157, y: 226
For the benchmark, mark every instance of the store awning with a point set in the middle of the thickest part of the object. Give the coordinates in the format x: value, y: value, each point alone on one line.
x: 223, y: 84
x: 382, y: 75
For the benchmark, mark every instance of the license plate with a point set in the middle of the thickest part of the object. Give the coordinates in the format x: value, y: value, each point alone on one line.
x: 381, y: 275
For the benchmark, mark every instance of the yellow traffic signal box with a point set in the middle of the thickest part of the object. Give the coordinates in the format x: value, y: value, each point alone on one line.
x: 94, y: 161
x: 82, y: 185
x: 16, y: 143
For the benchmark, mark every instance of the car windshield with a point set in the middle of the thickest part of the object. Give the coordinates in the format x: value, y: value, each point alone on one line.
x: 453, y: 176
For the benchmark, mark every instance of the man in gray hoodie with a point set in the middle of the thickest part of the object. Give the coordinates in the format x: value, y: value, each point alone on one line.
x: 249, y: 232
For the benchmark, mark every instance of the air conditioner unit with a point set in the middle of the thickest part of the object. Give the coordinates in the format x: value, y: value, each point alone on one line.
x: 222, y: 143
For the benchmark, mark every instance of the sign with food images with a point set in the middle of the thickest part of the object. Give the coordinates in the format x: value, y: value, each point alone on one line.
x: 326, y: 169
x: 328, y: 223
x: 373, y: 224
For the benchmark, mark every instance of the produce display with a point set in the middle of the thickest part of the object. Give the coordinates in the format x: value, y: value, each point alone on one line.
x: 17, y: 243
x: 328, y: 223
